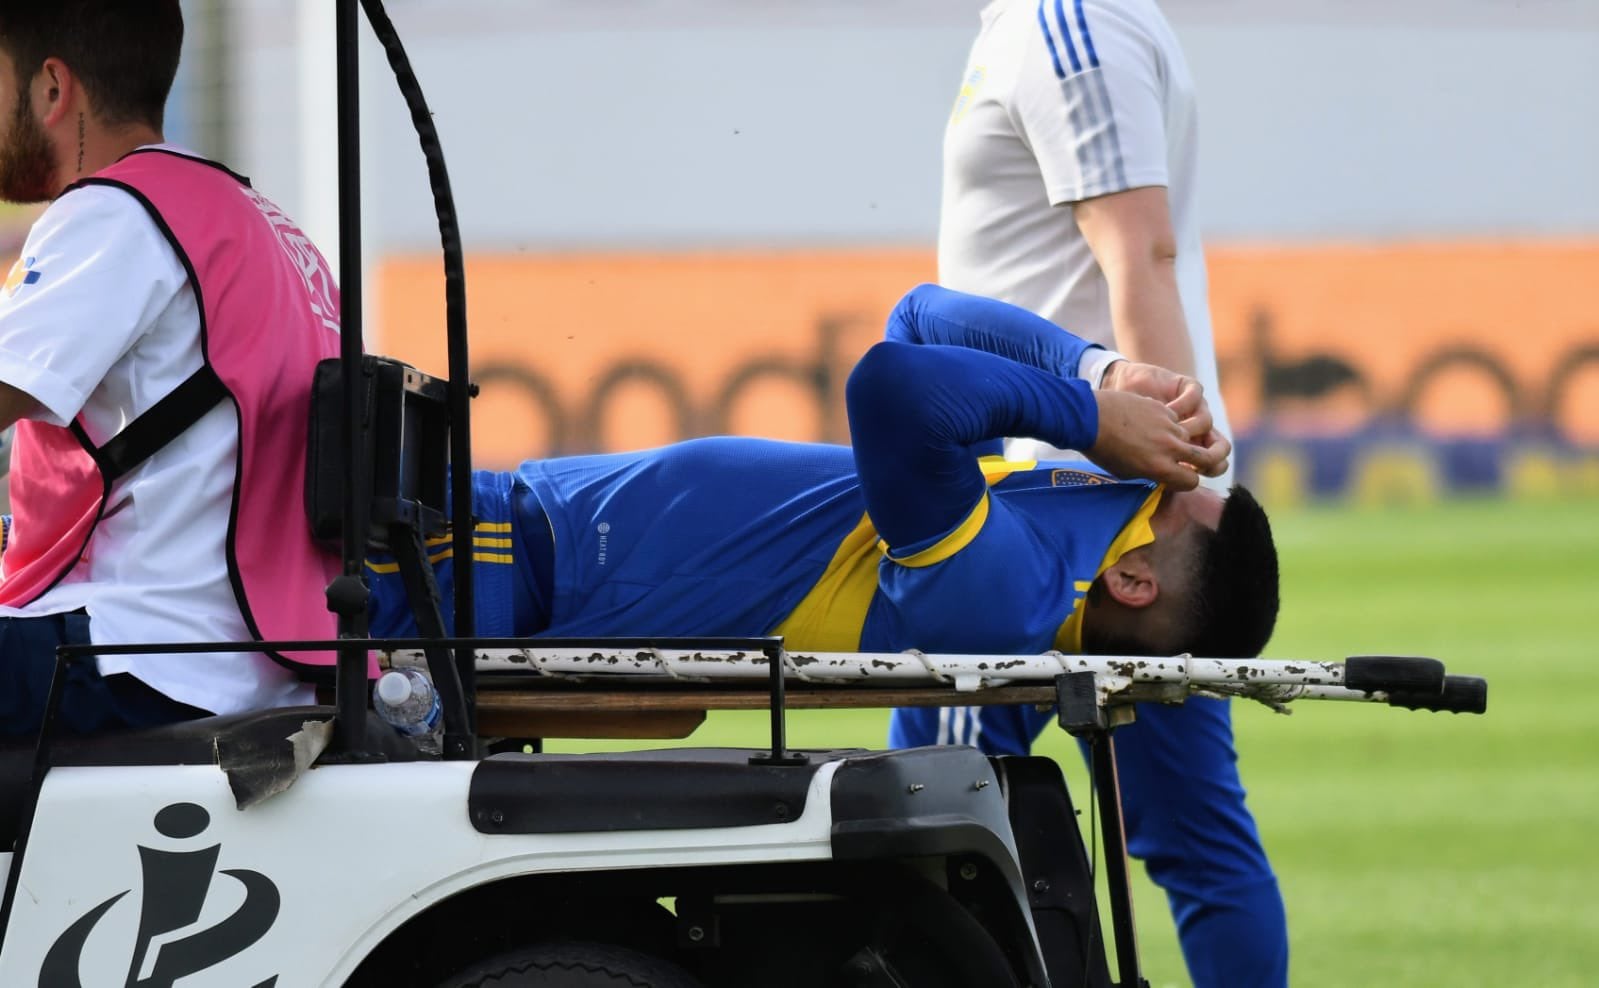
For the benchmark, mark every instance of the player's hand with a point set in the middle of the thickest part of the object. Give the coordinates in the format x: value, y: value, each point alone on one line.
x: 1142, y: 437
x: 1184, y: 396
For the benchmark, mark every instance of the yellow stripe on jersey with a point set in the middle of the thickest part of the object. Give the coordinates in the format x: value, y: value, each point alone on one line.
x: 437, y: 557
x: 994, y: 470
x: 833, y: 613
x: 493, y: 557
x: 831, y: 616
x: 1136, y: 534
x: 483, y: 543
x: 959, y: 538
x: 997, y: 468
x: 493, y: 526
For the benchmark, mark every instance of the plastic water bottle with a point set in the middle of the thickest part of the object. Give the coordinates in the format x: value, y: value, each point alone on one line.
x: 407, y: 701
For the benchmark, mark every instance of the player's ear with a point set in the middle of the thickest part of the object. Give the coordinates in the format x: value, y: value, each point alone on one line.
x: 1131, y: 580
x: 53, y: 89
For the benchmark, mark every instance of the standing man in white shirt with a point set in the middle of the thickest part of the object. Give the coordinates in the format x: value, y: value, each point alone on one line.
x: 158, y: 336
x: 1069, y: 189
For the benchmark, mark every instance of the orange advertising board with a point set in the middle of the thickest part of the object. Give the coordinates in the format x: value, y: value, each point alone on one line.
x: 614, y: 351
x: 620, y: 351
x: 1459, y: 339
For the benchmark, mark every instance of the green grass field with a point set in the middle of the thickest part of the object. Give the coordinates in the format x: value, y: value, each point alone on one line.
x: 1413, y: 848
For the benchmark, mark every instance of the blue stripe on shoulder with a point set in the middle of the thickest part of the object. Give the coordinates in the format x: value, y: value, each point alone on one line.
x: 1088, y: 39
x: 1066, y: 37
x: 1049, y: 41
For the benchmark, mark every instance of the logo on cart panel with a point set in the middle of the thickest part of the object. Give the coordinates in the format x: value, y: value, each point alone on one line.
x: 176, y: 884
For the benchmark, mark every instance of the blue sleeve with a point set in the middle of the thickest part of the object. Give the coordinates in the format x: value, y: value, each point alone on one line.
x: 915, y: 413
x: 929, y: 314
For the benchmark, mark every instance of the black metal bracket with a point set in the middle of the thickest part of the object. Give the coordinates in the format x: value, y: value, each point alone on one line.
x: 779, y: 755
x: 1077, y: 704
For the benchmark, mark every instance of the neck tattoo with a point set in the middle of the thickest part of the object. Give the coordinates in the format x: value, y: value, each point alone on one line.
x: 80, y: 143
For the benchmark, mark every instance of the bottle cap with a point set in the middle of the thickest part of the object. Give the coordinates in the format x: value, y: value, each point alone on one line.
x: 394, y: 688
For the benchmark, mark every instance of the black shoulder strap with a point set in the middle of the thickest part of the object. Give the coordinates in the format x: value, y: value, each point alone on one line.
x: 163, y: 422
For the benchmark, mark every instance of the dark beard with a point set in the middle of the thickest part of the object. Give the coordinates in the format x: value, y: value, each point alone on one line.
x: 27, y: 162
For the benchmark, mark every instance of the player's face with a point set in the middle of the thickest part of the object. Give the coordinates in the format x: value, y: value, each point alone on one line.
x: 1182, y: 510
x: 27, y: 161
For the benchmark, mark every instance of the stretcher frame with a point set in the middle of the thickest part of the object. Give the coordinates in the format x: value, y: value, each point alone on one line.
x: 655, y: 688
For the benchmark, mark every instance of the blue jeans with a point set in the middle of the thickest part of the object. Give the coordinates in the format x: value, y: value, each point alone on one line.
x: 92, y: 703
x: 1185, y: 819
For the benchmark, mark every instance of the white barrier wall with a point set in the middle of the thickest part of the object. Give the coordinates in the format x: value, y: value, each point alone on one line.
x: 667, y: 123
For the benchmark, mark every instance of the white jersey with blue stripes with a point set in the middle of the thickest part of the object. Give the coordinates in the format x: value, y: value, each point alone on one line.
x: 1062, y: 101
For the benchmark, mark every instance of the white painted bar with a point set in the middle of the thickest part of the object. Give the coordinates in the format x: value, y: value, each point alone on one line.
x: 964, y: 672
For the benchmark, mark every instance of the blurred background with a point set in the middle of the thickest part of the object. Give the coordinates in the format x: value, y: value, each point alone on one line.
x: 690, y: 216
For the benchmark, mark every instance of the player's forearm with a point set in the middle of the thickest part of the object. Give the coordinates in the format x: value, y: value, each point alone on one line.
x: 1130, y: 233
x: 1147, y: 312
x: 915, y: 413
x: 931, y: 314
x: 15, y: 405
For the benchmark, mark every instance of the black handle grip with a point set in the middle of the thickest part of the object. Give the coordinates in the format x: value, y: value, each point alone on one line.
x: 1461, y: 695
x: 1390, y: 673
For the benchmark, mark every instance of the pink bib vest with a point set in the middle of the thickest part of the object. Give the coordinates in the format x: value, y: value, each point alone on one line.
x: 268, y: 313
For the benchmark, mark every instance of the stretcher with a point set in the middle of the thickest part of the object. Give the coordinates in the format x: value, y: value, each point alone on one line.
x: 662, y: 687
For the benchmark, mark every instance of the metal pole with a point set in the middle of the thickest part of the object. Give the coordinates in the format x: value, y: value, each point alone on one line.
x: 778, y: 702
x: 347, y: 596
x: 1108, y: 789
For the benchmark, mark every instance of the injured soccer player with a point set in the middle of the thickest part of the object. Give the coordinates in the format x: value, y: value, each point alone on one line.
x: 910, y: 537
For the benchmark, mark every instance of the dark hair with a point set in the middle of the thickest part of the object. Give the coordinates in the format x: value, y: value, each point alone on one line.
x: 1235, y: 598
x: 124, y: 51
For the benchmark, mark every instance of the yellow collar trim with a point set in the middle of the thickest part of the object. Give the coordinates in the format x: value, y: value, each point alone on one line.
x: 1136, y: 534
x: 994, y: 470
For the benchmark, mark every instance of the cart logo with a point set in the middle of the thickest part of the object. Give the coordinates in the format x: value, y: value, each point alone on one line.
x: 176, y: 885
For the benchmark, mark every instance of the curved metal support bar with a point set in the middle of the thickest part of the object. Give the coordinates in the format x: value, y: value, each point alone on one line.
x: 456, y: 336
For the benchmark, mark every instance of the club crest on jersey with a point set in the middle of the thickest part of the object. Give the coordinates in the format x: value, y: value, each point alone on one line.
x: 22, y: 274
x: 1077, y: 478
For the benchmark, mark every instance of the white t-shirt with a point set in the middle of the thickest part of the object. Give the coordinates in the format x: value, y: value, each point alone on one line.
x: 99, y: 320
x: 1088, y: 99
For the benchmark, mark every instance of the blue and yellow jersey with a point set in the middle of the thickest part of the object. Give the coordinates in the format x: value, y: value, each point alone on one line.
x: 736, y: 536
x: 746, y: 536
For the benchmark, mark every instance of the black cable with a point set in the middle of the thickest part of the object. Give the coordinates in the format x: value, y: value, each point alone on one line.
x: 455, y: 328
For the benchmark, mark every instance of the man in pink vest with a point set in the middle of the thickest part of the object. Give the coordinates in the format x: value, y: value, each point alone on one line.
x: 157, y: 340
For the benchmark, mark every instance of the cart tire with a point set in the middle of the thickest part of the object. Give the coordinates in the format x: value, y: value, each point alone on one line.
x: 573, y: 965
